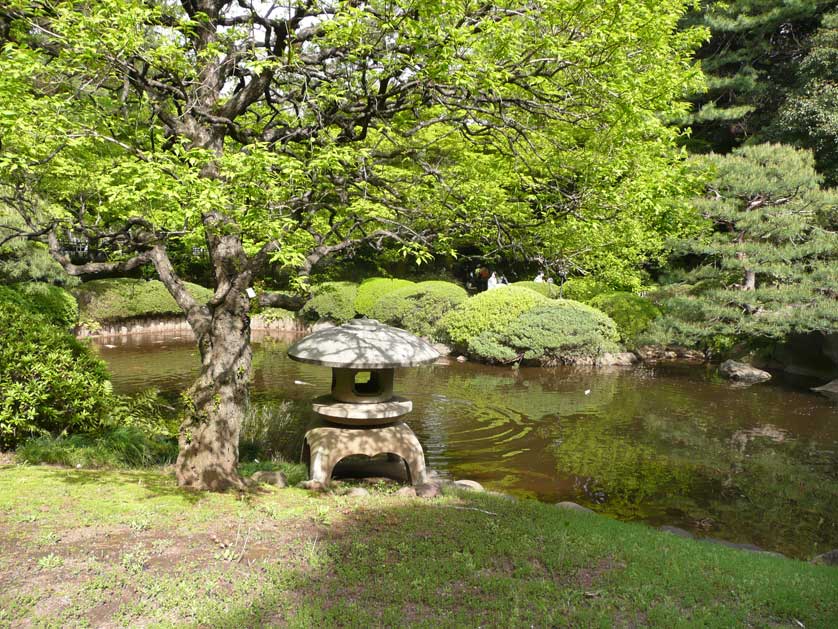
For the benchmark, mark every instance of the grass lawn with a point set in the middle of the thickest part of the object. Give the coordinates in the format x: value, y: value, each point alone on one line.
x: 129, y: 548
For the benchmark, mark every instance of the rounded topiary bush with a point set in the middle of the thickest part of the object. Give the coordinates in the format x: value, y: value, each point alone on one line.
x: 334, y: 301
x: 418, y: 308
x: 551, y: 333
x: 545, y: 288
x: 49, y: 382
x: 53, y: 302
x: 632, y: 313
x: 115, y: 299
x: 489, y: 311
x: 373, y: 289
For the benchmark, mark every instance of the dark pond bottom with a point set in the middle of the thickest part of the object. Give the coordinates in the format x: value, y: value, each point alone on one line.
x: 664, y: 445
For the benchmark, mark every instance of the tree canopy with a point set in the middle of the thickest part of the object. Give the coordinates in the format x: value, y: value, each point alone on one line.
x: 288, y: 132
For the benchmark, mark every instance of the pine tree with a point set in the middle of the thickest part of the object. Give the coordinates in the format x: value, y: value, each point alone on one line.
x: 770, y: 267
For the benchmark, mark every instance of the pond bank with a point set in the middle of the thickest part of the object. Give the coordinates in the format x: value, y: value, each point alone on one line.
x: 123, y: 548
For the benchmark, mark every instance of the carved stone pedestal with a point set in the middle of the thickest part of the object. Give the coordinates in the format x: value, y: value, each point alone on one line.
x: 327, y: 445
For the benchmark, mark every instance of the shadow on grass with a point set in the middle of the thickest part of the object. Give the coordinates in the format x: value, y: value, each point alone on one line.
x: 156, y: 483
x: 484, y: 561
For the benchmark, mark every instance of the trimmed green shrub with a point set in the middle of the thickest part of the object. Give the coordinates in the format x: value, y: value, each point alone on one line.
x: 276, y: 314
x: 555, y: 332
x: 489, y: 311
x: 583, y: 288
x: 373, y: 289
x: 418, y: 308
x: 545, y: 288
x: 49, y: 382
x: 54, y: 302
x: 123, y: 298
x: 114, y: 448
x: 632, y: 313
x: 334, y: 301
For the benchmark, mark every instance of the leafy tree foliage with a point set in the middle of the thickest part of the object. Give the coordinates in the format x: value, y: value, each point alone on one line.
x: 752, y: 62
x: 632, y: 313
x: 286, y: 133
x: 770, y: 267
x: 809, y: 116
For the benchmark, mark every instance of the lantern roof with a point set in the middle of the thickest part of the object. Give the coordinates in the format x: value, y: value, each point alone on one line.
x: 363, y: 344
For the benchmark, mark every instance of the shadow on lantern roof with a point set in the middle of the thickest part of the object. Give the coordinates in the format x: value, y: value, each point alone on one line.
x: 363, y: 344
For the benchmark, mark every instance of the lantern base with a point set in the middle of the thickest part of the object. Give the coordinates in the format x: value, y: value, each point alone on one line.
x: 326, y: 446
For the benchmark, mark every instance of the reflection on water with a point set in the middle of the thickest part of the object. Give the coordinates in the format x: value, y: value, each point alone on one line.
x: 665, y: 445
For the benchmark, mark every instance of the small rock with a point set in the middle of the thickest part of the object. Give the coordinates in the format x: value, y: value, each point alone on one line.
x: 469, y: 485
x: 830, y: 390
x: 442, y: 348
x: 311, y: 485
x: 408, y: 492
x: 829, y: 558
x: 277, y: 479
x: 427, y: 490
x: 357, y: 492
x: 573, y: 506
x: 674, y: 530
x: 740, y: 372
x: 461, y: 359
x: 618, y: 359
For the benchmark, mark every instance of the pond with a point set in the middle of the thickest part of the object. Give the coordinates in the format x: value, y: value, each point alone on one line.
x: 666, y: 444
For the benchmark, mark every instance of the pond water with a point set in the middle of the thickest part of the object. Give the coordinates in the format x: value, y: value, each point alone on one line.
x: 664, y: 444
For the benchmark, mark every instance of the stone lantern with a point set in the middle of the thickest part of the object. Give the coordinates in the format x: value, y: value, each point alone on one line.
x: 363, y: 355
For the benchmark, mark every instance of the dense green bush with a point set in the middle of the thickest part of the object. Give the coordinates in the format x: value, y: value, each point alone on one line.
x: 49, y: 382
x: 126, y: 446
x: 632, y: 313
x: 123, y: 298
x: 583, y: 288
x: 276, y: 314
x: 418, y: 308
x: 545, y: 288
x: 54, y: 302
x: 373, y: 289
x: 489, y: 311
x: 334, y: 301
x: 555, y: 332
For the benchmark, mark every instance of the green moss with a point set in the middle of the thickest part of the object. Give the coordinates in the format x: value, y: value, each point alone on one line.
x: 545, y: 288
x: 54, y: 302
x: 332, y: 301
x: 632, y: 313
x: 123, y: 298
x: 556, y: 332
x: 373, y: 289
x: 418, y: 308
x: 489, y: 311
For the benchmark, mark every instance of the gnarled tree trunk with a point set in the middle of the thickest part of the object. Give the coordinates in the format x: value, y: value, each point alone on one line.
x: 217, y: 403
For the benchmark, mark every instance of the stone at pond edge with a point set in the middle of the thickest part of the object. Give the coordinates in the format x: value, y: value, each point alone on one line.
x: 277, y: 479
x: 618, y: 359
x: 830, y: 390
x: 740, y: 372
x: 573, y: 506
x: 461, y: 359
x: 674, y: 530
x: 751, y: 548
x: 427, y: 490
x: 409, y: 492
x: 829, y: 558
x: 469, y: 485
